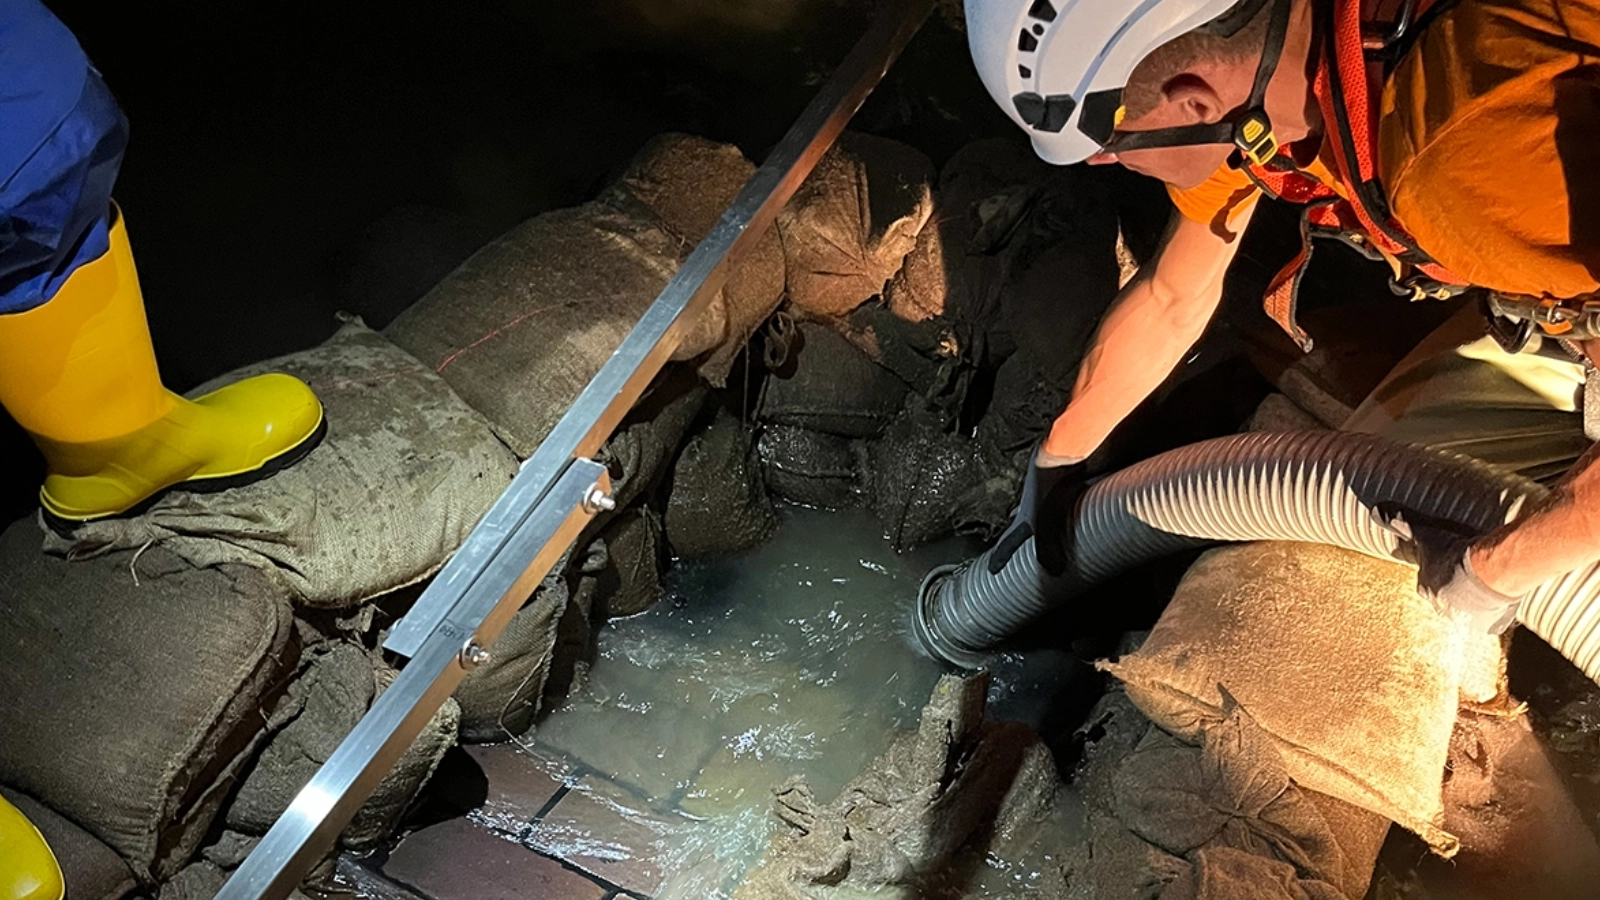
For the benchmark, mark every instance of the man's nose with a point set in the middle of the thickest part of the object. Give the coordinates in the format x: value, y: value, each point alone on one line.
x: 1103, y: 158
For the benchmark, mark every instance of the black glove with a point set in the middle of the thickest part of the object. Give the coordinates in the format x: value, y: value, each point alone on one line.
x: 1444, y: 570
x: 1045, y: 513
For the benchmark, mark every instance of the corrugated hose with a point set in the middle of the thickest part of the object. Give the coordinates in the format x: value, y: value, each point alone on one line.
x: 1325, y: 487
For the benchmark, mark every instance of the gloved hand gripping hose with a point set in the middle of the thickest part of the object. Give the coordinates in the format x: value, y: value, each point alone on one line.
x: 1319, y: 487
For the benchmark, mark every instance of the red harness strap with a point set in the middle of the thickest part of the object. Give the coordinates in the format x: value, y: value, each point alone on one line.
x: 1347, y: 86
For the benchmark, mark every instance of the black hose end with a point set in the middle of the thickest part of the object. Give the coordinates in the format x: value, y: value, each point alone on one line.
x: 925, y: 623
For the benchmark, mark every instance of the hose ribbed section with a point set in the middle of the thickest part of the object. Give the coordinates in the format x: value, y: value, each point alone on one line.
x: 1320, y: 487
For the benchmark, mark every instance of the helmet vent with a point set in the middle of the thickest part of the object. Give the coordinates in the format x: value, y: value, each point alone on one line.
x: 1026, y: 42
x: 1042, y: 10
x: 1044, y: 113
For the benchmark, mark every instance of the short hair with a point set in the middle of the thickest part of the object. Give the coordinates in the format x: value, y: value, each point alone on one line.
x: 1186, y: 52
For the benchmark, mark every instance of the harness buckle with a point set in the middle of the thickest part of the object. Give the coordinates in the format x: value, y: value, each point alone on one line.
x: 1520, y: 315
x: 1254, y: 137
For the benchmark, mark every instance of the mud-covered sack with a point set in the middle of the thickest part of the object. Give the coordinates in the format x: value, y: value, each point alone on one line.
x: 499, y: 699
x: 522, y: 326
x: 811, y: 468
x: 828, y: 384
x: 131, y: 689
x: 926, y: 483
x: 334, y: 689
x: 404, y: 473
x: 908, y: 816
x: 1355, y: 677
x: 688, y: 182
x: 1218, y: 820
x: 851, y: 224
x: 636, y: 556
x: 718, y: 501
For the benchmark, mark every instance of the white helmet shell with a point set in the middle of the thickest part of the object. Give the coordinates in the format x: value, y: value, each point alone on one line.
x: 1040, y: 59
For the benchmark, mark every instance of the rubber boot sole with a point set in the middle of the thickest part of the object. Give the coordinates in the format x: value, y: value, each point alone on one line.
x: 66, y: 527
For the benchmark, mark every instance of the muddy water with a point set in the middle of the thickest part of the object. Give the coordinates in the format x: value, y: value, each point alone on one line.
x: 792, y: 659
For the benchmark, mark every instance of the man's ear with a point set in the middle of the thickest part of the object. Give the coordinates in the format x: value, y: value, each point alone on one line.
x: 1194, y: 100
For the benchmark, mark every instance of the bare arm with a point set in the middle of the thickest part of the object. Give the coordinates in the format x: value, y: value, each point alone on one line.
x: 1149, y: 328
x: 1562, y: 537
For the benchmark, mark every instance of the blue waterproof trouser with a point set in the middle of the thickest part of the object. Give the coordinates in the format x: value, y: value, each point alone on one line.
x: 61, y: 143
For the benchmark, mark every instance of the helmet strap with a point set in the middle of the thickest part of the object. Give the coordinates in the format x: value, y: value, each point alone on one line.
x: 1249, y: 128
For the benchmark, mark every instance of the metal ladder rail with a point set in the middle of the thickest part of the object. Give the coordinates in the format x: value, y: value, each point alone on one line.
x: 557, y: 491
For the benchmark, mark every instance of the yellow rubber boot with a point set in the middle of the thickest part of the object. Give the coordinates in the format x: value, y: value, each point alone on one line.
x: 79, y: 375
x: 28, y: 870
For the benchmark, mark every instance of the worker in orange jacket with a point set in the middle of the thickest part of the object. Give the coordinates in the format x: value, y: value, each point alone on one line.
x: 1457, y: 142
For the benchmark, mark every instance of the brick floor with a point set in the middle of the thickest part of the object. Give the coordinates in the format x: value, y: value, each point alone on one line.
x: 604, y: 830
x: 521, y: 784
x: 458, y: 860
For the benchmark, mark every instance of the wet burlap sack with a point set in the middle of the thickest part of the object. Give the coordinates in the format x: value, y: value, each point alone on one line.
x: 849, y: 227
x: 812, y: 468
x: 91, y: 870
x: 688, y: 182
x: 828, y: 384
x: 404, y: 473
x: 906, y: 817
x: 1019, y: 263
x: 521, y: 327
x: 1354, y: 676
x: 718, y: 500
x: 636, y: 557
x: 1216, y: 820
x: 926, y: 483
x: 132, y: 689
x: 500, y: 698
x: 337, y: 684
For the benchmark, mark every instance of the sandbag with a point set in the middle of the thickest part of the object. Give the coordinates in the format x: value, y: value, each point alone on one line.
x: 718, y: 501
x: 811, y: 468
x: 132, y: 689
x: 641, y: 452
x: 405, y: 472
x: 91, y: 870
x: 1214, y: 821
x: 688, y: 182
x: 851, y: 224
x: 1354, y: 676
x: 521, y: 327
x: 636, y: 556
x: 500, y: 698
x: 926, y: 483
x: 1018, y: 265
x: 828, y: 384
x: 336, y: 686
x: 908, y: 814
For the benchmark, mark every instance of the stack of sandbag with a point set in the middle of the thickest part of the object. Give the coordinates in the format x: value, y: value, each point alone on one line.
x: 261, y: 698
x: 1350, y: 677
x: 132, y: 690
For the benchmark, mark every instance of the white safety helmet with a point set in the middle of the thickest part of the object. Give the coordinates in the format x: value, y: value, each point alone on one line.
x: 1058, y: 67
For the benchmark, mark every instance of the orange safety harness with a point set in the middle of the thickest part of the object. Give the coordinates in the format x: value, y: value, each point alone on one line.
x: 1361, y: 45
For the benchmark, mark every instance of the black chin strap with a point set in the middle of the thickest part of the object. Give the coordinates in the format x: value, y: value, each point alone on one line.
x: 1249, y: 129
